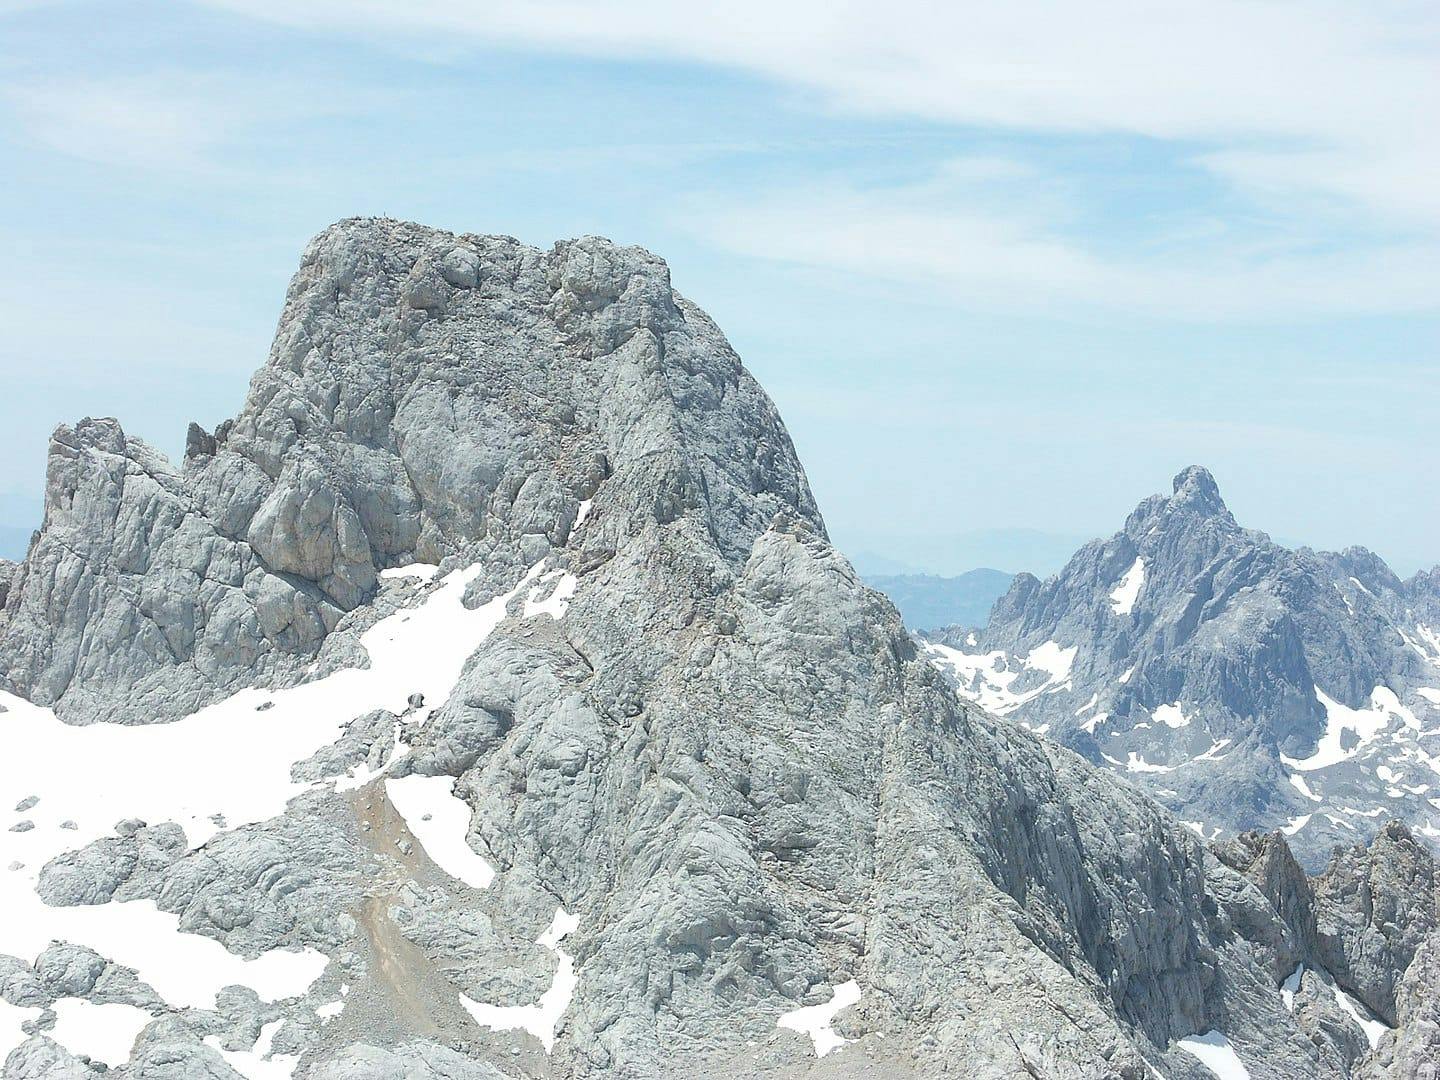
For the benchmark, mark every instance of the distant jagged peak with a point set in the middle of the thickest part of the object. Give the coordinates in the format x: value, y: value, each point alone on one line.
x: 1195, y: 500
x: 1195, y: 489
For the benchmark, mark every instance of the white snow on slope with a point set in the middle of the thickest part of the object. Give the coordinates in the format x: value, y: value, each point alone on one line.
x: 1432, y: 639
x: 1136, y: 763
x: 1362, y: 1016
x: 815, y: 1020
x: 100, y: 1032
x: 440, y: 820
x: 1171, y: 716
x: 97, y: 775
x: 1364, y: 724
x: 1373, y: 1028
x: 1052, y: 658
x: 986, y: 678
x: 558, y: 599
x: 1122, y: 600
x: 11, y: 1017
x: 541, y: 1018
x: 1430, y: 694
x: 1213, y: 753
x: 1299, y: 784
x: 1295, y: 824
x: 258, y: 1063
x: 1215, y: 1052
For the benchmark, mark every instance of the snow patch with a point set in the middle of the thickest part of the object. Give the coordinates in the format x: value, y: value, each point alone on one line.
x: 440, y: 820
x: 1213, y: 1050
x: 11, y: 1017
x: 1431, y: 638
x: 1052, y: 658
x: 1295, y: 824
x: 1364, y: 724
x: 1298, y: 783
x: 543, y: 1017
x: 557, y: 601
x: 1122, y: 600
x: 985, y: 678
x: 100, y: 1032
x: 330, y: 1009
x: 258, y: 1063
x: 1373, y: 1028
x: 1171, y: 716
x: 815, y: 1020
x: 1214, y: 754
x: 1430, y: 694
x: 1136, y: 763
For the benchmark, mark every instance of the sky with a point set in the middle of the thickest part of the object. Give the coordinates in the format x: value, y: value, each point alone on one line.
x: 1005, y: 269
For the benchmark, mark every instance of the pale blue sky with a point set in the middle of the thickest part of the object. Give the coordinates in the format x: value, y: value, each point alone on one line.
x: 1001, y: 269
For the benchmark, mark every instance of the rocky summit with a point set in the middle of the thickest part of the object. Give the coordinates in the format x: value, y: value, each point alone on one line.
x: 486, y: 700
x: 1243, y: 684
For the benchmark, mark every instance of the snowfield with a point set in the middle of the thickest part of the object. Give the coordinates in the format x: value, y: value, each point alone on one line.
x: 71, y: 785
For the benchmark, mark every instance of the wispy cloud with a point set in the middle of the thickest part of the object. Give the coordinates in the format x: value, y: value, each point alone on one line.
x: 1305, y: 96
x: 177, y: 119
x: 123, y: 121
x: 1004, y: 237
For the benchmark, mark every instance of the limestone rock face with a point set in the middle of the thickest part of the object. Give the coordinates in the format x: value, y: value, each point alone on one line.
x: 406, y: 412
x: 1414, y: 1050
x: 690, y: 728
x: 1246, y: 685
x: 1375, y: 906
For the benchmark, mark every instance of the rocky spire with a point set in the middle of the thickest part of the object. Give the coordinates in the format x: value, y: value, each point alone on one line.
x: 1195, y: 489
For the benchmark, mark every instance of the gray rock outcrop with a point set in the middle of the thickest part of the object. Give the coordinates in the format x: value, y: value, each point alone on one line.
x: 723, y: 755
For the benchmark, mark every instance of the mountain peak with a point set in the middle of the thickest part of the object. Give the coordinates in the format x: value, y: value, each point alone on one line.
x: 1196, y: 489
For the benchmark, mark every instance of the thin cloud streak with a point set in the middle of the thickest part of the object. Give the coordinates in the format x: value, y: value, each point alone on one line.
x: 1004, y: 251
x: 1309, y: 96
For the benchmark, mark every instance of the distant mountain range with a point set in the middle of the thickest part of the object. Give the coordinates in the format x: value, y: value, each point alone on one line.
x: 1244, y: 684
x: 929, y: 601
x: 953, y: 554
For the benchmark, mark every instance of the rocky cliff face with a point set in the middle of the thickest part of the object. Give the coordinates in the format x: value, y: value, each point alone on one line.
x: 427, y: 396
x: 1244, y: 684
x: 541, y: 732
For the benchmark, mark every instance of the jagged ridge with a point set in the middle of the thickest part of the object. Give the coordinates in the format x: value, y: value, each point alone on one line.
x: 725, y: 756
